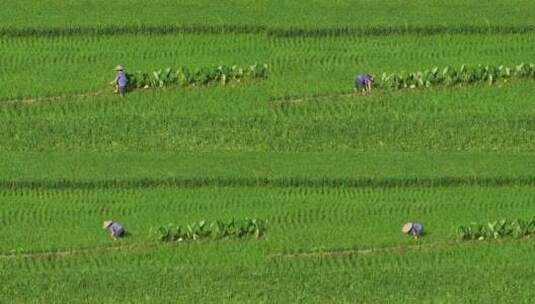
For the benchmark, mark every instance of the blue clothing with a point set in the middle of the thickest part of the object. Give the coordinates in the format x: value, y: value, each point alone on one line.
x: 122, y: 90
x: 116, y: 229
x: 417, y: 229
x: 362, y: 80
x: 121, y: 79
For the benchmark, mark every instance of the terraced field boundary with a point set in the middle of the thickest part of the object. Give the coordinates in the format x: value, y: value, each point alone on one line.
x: 323, y: 97
x: 292, y: 32
x: 401, y: 249
x: 76, y: 252
x: 72, y: 97
x: 123, y: 30
x: 378, y: 250
x: 364, y: 251
x: 270, y: 32
x: 289, y: 182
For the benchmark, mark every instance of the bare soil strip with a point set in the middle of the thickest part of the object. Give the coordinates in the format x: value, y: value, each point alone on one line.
x: 331, y: 96
x: 311, y: 98
x: 76, y: 252
x: 29, y: 101
x: 374, y: 251
x: 142, y: 246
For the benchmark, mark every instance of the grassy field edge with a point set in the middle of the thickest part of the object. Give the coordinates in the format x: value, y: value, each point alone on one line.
x: 263, y: 165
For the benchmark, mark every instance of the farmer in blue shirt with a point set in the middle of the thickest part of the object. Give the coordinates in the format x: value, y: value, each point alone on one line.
x: 116, y: 230
x: 414, y: 229
x: 364, y: 82
x: 120, y: 80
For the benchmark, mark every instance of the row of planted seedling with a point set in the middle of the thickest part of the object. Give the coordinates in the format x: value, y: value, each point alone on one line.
x: 233, y: 229
x: 129, y: 29
x: 198, y: 77
x: 450, y: 76
x: 273, y: 31
x: 504, y: 228
x: 377, y: 30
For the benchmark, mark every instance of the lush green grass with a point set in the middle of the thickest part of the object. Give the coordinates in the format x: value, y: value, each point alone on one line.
x: 239, y: 119
x: 261, y: 168
x: 244, y: 117
x: 488, y: 272
x: 298, y: 66
x: 38, y: 67
x: 304, y: 221
x: 398, y: 13
x: 59, y: 14
x: 312, y: 66
x: 303, y: 193
x: 335, y: 174
x: 62, y: 211
x: 276, y: 13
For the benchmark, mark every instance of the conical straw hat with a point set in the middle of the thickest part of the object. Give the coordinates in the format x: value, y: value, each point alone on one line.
x: 106, y: 224
x: 406, y: 228
x: 119, y: 68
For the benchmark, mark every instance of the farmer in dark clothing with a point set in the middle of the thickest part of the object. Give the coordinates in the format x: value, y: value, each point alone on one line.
x: 414, y: 229
x: 364, y: 82
x: 120, y: 80
x: 116, y: 230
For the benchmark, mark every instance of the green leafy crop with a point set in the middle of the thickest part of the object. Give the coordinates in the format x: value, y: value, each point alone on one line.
x: 233, y: 229
x: 450, y: 76
x: 503, y: 228
x: 201, y: 76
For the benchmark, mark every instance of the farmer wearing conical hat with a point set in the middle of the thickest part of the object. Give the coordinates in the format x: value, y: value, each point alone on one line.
x: 414, y: 229
x: 116, y: 230
x: 364, y: 82
x: 120, y: 80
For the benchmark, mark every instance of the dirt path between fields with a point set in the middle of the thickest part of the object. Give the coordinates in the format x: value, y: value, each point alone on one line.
x: 331, y: 96
x: 374, y: 251
x: 29, y: 101
x: 49, y: 98
x: 400, y: 249
x: 312, y: 98
x: 75, y: 252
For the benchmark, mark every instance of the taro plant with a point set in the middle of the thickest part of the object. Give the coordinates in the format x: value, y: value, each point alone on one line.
x: 233, y: 229
x: 199, y: 77
x: 450, y: 76
x: 163, y: 233
x: 503, y: 228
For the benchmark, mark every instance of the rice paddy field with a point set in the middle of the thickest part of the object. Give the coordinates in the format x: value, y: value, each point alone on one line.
x: 335, y: 174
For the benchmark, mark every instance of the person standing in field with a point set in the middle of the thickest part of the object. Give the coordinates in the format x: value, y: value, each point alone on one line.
x: 120, y: 81
x: 414, y: 229
x: 364, y: 82
x: 116, y: 230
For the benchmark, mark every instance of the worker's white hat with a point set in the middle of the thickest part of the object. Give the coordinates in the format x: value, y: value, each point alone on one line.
x: 119, y: 67
x: 406, y: 228
x: 106, y: 224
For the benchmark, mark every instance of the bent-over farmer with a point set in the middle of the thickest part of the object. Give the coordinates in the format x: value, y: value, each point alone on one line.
x: 120, y: 80
x: 116, y: 230
x: 364, y: 82
x: 414, y: 229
